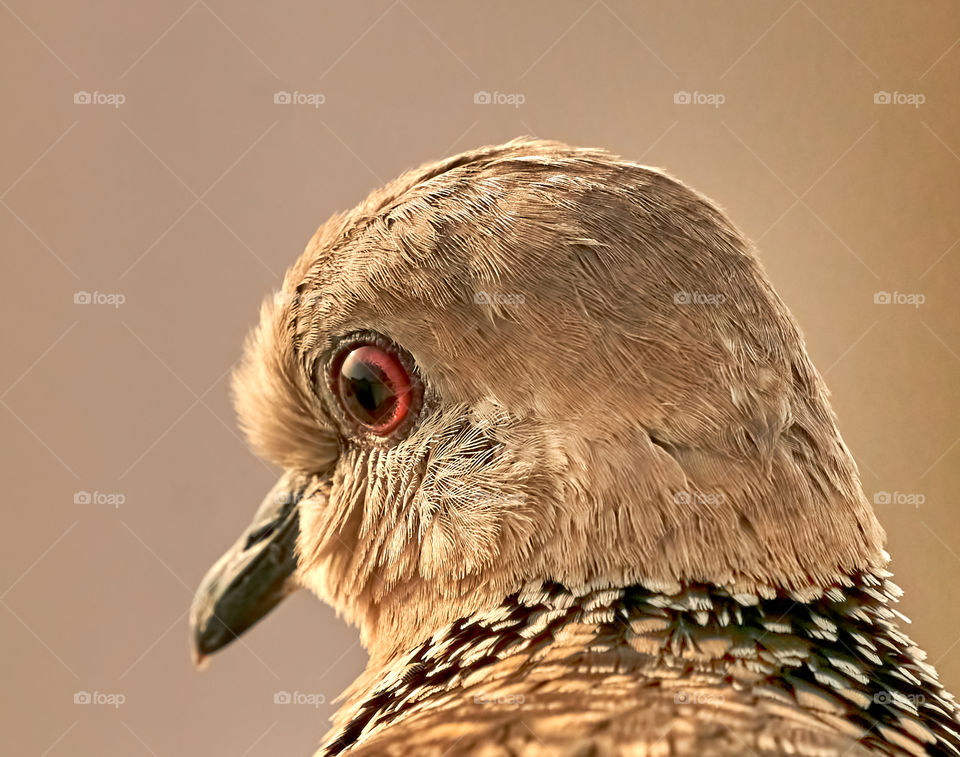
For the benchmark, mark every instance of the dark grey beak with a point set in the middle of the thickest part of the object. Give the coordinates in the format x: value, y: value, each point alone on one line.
x: 252, y: 577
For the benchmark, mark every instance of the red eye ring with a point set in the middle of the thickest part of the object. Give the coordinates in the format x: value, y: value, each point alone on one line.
x: 374, y: 386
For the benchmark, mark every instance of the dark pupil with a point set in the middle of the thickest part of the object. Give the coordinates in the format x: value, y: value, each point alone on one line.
x: 366, y: 394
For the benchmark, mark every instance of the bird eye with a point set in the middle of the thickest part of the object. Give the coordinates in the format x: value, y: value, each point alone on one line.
x: 374, y: 387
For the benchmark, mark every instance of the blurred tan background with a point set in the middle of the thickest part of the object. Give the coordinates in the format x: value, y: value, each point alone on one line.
x: 180, y: 192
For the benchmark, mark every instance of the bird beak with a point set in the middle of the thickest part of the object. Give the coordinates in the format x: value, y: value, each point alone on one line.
x: 252, y: 577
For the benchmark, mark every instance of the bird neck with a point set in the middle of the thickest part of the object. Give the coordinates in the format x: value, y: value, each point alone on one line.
x: 838, y: 652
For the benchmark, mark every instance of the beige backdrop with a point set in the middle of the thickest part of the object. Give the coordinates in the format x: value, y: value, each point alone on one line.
x: 185, y: 190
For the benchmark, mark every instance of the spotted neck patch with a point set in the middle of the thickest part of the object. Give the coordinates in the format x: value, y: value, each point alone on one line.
x: 838, y: 654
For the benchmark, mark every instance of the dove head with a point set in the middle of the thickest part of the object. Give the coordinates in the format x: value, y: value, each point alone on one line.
x: 534, y: 363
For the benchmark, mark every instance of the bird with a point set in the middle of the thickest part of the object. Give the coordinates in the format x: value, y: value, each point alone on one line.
x: 552, y: 442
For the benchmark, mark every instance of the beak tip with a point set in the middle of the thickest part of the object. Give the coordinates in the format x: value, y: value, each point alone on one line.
x: 200, y: 660
x: 249, y: 580
x: 198, y: 657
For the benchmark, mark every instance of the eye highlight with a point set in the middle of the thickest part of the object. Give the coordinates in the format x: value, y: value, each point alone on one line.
x: 374, y: 387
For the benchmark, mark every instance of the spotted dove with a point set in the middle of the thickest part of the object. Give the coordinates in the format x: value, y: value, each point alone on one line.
x: 554, y: 445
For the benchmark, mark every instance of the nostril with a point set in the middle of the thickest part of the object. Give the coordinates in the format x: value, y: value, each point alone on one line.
x: 257, y: 536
